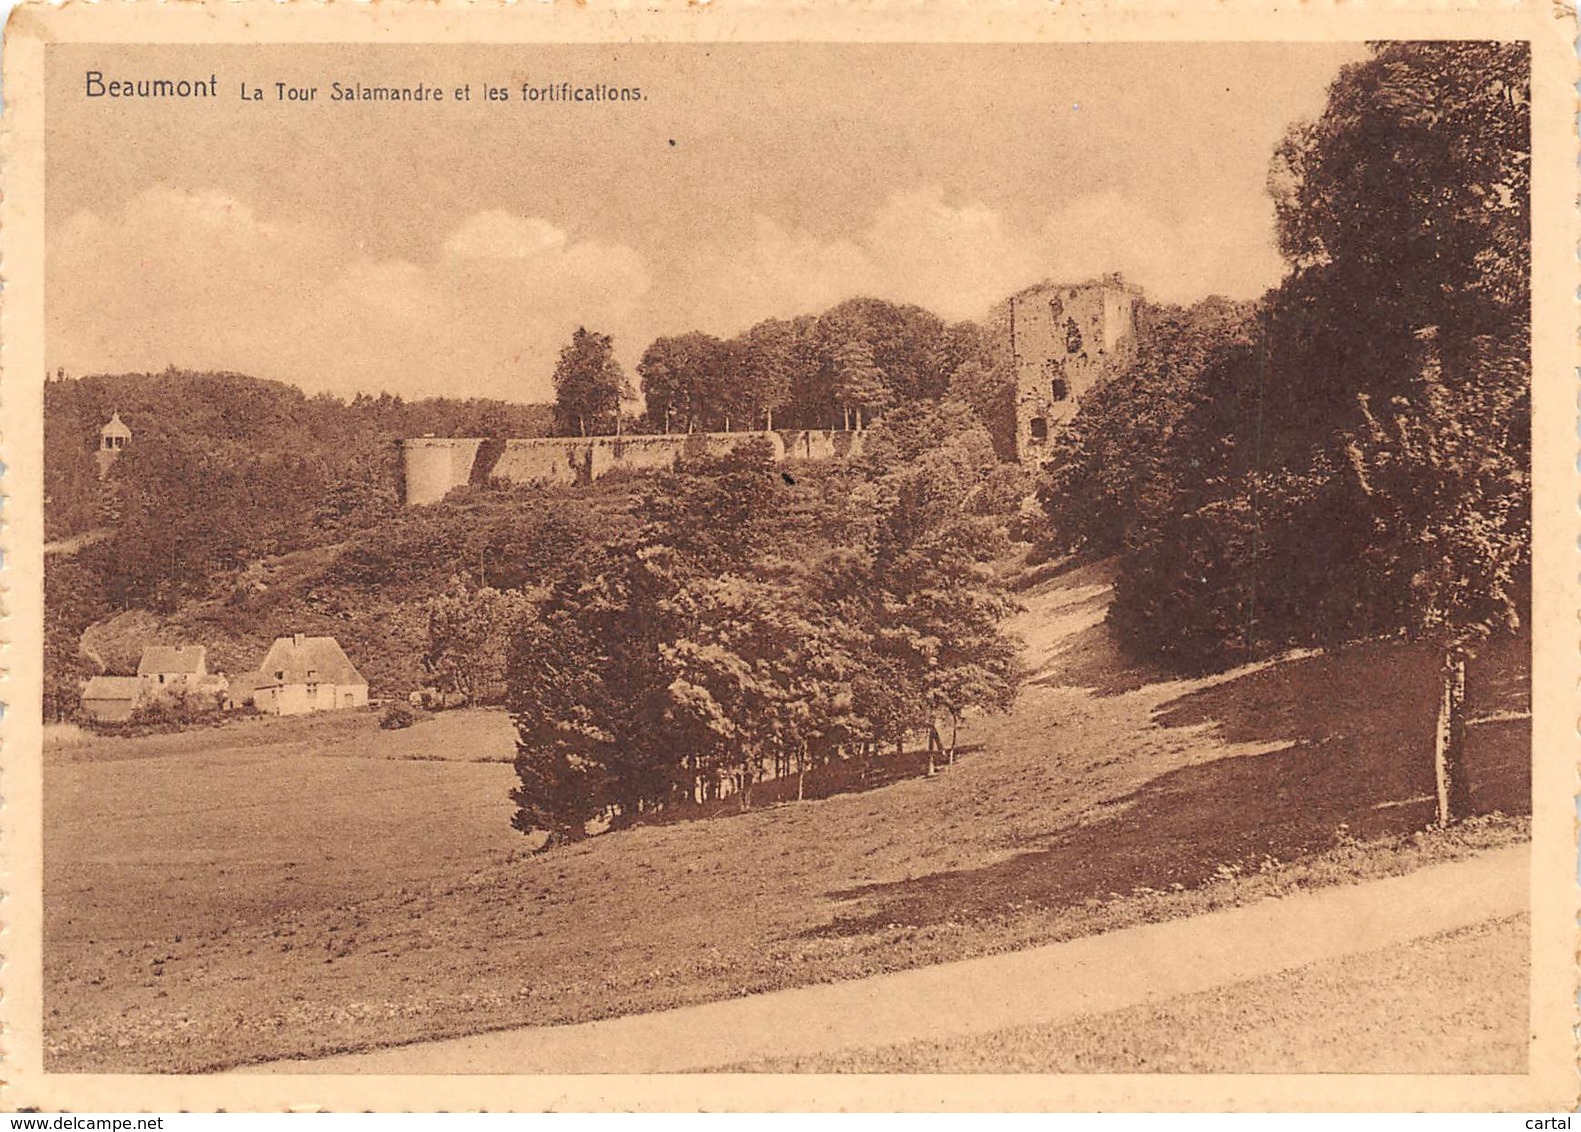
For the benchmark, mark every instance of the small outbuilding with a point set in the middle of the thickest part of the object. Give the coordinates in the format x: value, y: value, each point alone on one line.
x: 242, y: 691
x: 111, y: 699
x: 301, y: 674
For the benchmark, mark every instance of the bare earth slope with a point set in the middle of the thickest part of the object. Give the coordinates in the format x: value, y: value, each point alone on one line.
x: 210, y: 906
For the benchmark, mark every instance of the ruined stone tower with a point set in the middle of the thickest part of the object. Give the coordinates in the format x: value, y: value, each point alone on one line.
x: 1065, y: 339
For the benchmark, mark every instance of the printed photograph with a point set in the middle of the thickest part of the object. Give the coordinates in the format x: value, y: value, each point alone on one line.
x: 797, y: 558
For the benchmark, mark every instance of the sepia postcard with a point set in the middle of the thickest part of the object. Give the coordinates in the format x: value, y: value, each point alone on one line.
x: 749, y: 557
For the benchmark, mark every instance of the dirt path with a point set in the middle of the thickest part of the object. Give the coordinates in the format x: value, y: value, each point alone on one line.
x: 1053, y: 983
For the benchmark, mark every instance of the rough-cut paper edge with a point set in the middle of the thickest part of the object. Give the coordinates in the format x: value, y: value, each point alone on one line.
x: 1551, y: 1081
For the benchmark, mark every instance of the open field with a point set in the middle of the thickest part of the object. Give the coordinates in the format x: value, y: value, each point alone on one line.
x: 203, y: 832
x: 324, y: 888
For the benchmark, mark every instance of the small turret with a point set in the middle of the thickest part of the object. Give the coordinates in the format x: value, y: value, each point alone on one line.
x: 113, y: 438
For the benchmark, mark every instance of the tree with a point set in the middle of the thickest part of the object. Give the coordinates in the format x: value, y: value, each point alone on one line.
x: 1450, y: 498
x: 1349, y: 457
x: 1413, y: 190
x: 848, y: 365
x: 1134, y: 439
x: 588, y: 384
x: 749, y: 628
x: 1415, y: 182
x: 72, y: 602
x: 556, y: 701
x: 769, y: 356
x: 983, y: 375
x: 858, y: 382
x: 469, y: 631
x: 936, y: 607
x: 737, y: 692
x: 682, y: 380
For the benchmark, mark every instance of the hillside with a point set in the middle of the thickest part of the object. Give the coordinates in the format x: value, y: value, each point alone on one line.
x: 365, y: 588
x: 227, y: 487
x: 242, y: 420
x: 1106, y: 798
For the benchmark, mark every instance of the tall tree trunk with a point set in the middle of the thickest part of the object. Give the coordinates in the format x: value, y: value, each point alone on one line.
x: 935, y: 744
x: 955, y: 735
x: 1449, y: 746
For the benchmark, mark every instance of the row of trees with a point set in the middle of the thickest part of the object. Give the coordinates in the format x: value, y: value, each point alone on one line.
x: 1349, y: 457
x: 753, y: 627
x: 840, y: 369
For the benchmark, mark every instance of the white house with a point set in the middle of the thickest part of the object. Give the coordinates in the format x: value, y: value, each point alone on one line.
x: 301, y: 674
x: 167, y: 668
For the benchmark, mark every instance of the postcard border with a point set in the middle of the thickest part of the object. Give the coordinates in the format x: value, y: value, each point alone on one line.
x: 1550, y: 1082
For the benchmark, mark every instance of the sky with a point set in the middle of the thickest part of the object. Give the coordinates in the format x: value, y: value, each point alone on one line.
x: 451, y: 248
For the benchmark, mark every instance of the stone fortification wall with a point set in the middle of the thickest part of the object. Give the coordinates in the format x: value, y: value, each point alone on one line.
x: 433, y: 466
x: 820, y: 444
x: 539, y: 461
x: 653, y: 453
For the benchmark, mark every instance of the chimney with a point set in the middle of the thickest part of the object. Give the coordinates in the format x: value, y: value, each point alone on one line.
x: 296, y: 639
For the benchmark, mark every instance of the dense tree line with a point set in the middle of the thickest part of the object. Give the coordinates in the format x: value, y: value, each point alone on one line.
x: 1350, y: 456
x: 223, y: 469
x: 835, y: 370
x: 752, y: 627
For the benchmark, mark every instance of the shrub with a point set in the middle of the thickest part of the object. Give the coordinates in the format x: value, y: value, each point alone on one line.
x: 174, y: 711
x: 397, y: 717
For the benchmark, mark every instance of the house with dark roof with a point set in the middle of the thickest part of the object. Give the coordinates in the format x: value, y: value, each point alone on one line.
x: 111, y: 699
x: 301, y: 674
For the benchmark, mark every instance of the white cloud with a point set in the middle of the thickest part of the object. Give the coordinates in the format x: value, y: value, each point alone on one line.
x: 956, y: 260
x: 199, y: 279
x: 202, y: 280
x: 959, y: 258
x: 1174, y: 260
x: 503, y: 235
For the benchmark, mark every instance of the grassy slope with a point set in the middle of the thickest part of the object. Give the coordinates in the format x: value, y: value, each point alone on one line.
x: 1106, y: 798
